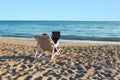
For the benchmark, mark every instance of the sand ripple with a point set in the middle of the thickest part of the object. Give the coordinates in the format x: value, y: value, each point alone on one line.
x: 93, y: 62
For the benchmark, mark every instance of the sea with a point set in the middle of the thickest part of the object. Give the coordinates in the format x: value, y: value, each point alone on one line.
x: 103, y: 31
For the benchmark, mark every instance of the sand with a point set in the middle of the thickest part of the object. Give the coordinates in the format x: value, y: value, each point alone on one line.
x: 78, y: 61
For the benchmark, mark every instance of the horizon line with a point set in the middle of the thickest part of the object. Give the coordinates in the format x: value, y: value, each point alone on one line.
x: 59, y: 20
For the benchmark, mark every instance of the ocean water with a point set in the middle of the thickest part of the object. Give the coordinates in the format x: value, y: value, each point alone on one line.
x: 70, y: 30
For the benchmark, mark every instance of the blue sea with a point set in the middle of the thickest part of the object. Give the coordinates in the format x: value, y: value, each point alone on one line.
x: 70, y: 30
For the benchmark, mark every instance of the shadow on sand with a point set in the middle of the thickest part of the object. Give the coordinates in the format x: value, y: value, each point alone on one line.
x: 17, y: 57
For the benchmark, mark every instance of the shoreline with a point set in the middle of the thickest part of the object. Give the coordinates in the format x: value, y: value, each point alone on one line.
x: 62, y: 42
x: 67, y: 40
x: 32, y: 42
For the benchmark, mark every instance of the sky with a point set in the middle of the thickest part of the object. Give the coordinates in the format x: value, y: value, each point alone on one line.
x: 78, y: 10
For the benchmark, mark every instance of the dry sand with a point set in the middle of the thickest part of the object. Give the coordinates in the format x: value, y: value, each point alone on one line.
x: 78, y: 61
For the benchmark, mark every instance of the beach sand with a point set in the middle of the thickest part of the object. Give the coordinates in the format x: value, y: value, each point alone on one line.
x: 78, y: 61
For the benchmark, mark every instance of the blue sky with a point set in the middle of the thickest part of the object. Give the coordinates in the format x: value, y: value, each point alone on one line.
x: 82, y: 10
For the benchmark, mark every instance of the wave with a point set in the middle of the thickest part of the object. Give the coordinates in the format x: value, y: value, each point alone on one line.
x: 67, y: 37
x: 19, y: 35
x: 74, y: 37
